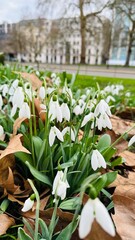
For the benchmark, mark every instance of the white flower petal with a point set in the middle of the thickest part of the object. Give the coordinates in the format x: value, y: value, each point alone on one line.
x: 52, y: 136
x: 94, y: 160
x: 131, y: 141
x: 103, y: 217
x: 59, y: 134
x: 28, y: 205
x: 86, y: 219
x: 24, y: 111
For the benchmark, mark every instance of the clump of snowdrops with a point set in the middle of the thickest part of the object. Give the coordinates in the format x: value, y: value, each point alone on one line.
x: 68, y: 153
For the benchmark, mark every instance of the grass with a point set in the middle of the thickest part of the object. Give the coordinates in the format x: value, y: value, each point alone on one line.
x: 83, y: 81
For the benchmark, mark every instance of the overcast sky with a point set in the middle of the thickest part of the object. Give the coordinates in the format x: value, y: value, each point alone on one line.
x: 15, y: 10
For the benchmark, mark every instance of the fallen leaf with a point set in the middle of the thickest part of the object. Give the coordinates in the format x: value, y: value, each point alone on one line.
x: 17, y: 124
x: 129, y: 158
x: 42, y: 115
x: 120, y: 180
x: 6, y: 163
x: 98, y: 233
x: 32, y: 78
x: 120, y: 126
x: 5, y: 223
x: 127, y: 113
x: 14, y: 146
x: 124, y: 216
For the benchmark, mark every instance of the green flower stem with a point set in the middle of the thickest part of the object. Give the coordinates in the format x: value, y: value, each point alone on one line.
x: 37, y: 209
x: 34, y: 116
x: 53, y: 219
x: 117, y: 140
x: 32, y: 146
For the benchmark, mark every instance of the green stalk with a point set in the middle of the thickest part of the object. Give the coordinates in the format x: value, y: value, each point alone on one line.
x: 37, y: 209
x: 31, y: 134
x: 34, y: 116
x: 53, y: 219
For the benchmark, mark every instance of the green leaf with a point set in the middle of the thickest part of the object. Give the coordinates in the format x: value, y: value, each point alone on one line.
x: 24, y: 157
x: 44, y: 229
x: 111, y: 176
x: 4, y: 205
x: 66, y: 233
x: 22, y: 235
x: 38, y: 175
x: 117, y: 161
x: 104, y: 142
x: 70, y: 204
x: 108, y: 153
x: 37, y: 142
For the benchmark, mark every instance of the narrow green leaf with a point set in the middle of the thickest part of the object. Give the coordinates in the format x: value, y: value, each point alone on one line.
x: 104, y: 142
x: 38, y: 175
x: 44, y: 229
x: 22, y: 235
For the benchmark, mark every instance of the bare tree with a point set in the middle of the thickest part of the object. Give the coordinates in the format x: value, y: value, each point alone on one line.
x: 85, y: 11
x: 127, y: 11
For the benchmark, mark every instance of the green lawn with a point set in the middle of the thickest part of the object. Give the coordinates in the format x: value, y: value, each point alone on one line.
x: 83, y: 81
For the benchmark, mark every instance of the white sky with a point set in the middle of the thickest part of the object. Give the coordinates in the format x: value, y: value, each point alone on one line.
x: 16, y: 10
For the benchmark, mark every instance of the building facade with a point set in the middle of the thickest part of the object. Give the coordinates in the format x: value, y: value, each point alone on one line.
x: 54, y: 41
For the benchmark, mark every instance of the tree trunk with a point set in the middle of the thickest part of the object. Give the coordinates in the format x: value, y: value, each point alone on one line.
x: 129, y: 51
x: 82, y: 32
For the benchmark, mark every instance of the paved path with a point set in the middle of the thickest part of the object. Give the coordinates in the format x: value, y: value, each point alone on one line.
x: 118, y: 72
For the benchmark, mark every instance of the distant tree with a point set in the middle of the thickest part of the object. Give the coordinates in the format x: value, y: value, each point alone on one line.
x: 85, y: 11
x: 126, y: 9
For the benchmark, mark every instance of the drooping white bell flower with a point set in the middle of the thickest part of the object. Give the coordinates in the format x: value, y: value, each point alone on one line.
x: 97, y: 160
x: 18, y: 97
x: 79, y: 109
x: 13, y: 87
x: 55, y: 111
x: 42, y: 92
x: 110, y: 98
x: 60, y: 185
x: 67, y: 91
x: 94, y: 209
x: 87, y: 118
x: 2, y: 135
x: 5, y: 90
x: 24, y: 111
x: 28, y: 91
x: 101, y: 108
x: 55, y: 132
x: 70, y: 131
x: 1, y: 102
x: 65, y: 111
x: 103, y: 121
x: 131, y: 141
x: 13, y: 110
x: 28, y: 204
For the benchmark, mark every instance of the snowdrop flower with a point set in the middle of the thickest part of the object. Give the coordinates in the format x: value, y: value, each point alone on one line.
x: 24, y: 111
x: 13, y: 87
x: 28, y: 90
x: 87, y: 118
x: 78, y: 110
x: 103, y: 121
x: 13, y: 110
x: 94, y: 209
x: 28, y: 204
x: 65, y: 111
x: 55, y: 111
x: 42, y: 92
x: 1, y: 102
x: 60, y: 185
x: 97, y: 160
x: 43, y: 108
x: 67, y: 91
x: 55, y: 132
x: 18, y: 97
x: 5, y: 90
x: 70, y: 131
x: 132, y: 141
x: 102, y: 108
x: 110, y: 98
x: 2, y: 135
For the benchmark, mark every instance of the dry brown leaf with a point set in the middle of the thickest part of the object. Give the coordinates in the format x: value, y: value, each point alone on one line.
x: 17, y: 124
x: 130, y: 179
x: 126, y: 190
x: 42, y: 115
x: 5, y: 163
x: 14, y: 146
x: 129, y: 157
x: 124, y: 216
x: 98, y: 233
x: 32, y: 78
x: 120, y: 126
x: 127, y: 113
x: 121, y: 145
x: 5, y: 223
